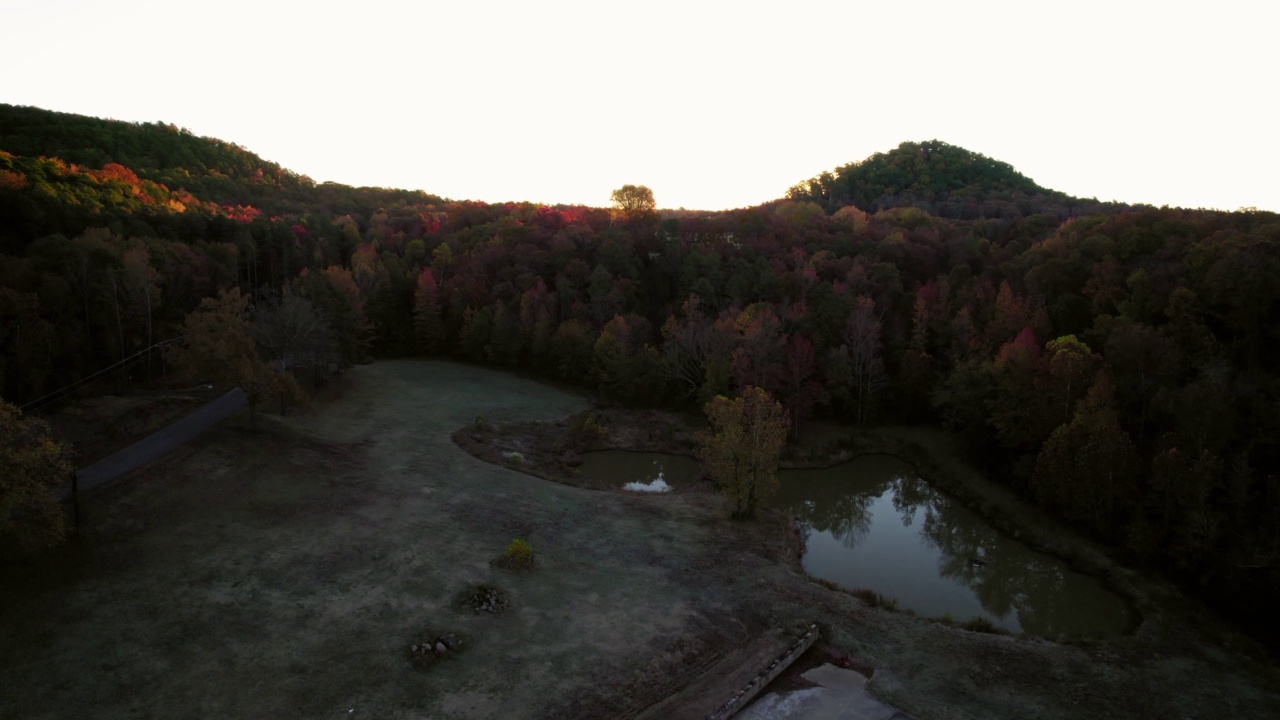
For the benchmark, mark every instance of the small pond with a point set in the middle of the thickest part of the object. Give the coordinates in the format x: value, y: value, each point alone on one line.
x: 873, y: 523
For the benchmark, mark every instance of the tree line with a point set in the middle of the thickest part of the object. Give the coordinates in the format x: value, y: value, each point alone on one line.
x: 1111, y: 363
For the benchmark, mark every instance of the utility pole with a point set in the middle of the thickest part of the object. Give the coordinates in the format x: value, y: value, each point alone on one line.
x: 75, y: 499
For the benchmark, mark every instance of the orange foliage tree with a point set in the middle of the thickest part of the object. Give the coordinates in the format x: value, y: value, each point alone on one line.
x: 741, y: 452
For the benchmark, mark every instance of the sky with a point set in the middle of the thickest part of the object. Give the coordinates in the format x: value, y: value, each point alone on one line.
x: 713, y: 105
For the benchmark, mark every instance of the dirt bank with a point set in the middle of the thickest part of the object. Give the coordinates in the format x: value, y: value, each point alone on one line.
x: 286, y: 571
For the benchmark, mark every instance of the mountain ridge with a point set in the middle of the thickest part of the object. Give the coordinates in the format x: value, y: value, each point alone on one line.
x: 940, y: 178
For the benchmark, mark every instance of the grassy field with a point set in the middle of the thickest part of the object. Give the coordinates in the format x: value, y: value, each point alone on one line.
x: 284, y: 571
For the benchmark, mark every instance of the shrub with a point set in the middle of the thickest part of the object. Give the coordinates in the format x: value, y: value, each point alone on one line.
x: 593, y: 431
x: 982, y: 625
x: 518, y: 555
x: 32, y: 468
x: 874, y: 599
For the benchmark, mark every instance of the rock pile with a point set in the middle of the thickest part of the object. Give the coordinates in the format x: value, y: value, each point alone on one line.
x: 487, y: 598
x: 434, y: 648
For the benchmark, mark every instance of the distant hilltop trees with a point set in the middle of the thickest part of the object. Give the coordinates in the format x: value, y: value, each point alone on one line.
x: 943, y: 179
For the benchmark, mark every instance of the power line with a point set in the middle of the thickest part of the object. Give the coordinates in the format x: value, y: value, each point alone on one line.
x: 121, y: 365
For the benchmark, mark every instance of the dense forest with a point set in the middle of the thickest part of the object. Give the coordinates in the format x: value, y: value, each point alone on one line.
x: 1112, y: 363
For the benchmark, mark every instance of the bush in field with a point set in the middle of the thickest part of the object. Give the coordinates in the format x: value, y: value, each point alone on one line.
x: 518, y: 555
x: 32, y: 467
x: 589, y: 432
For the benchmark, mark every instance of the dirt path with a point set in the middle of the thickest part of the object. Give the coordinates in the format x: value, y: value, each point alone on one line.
x: 285, y: 572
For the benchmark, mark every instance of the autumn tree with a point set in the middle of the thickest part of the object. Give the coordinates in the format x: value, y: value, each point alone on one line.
x: 476, y: 333
x: 25, y: 338
x: 741, y: 451
x: 1143, y: 361
x: 537, y: 321
x: 218, y: 346
x: 293, y: 334
x: 697, y: 353
x: 1014, y: 408
x: 1088, y: 468
x: 633, y: 202
x: 802, y: 388
x: 140, y: 283
x: 571, y: 349
x: 427, y: 323
x: 1066, y: 370
x: 612, y: 360
x: 1011, y: 315
x: 1185, y: 515
x: 35, y: 466
x: 760, y: 356
x: 863, y: 344
x: 505, y: 344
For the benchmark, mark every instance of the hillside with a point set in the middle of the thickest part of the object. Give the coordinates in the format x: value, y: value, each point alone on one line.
x: 1066, y: 340
x: 213, y: 171
x: 942, y: 179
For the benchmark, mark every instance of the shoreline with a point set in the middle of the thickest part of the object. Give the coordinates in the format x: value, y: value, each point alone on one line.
x: 549, y: 449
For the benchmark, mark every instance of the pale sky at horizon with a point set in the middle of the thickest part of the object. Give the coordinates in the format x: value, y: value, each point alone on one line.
x: 711, y: 104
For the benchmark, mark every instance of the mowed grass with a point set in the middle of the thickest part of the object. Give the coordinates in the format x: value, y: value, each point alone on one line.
x: 284, y: 571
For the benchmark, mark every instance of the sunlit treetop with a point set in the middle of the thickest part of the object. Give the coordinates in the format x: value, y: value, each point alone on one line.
x: 633, y: 201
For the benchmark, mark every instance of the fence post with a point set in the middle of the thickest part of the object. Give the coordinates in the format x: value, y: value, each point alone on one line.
x: 75, y: 499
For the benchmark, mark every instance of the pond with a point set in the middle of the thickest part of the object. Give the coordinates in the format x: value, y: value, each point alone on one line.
x: 873, y: 523
x: 651, y: 470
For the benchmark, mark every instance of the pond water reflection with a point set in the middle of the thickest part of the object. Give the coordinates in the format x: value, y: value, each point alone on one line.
x: 873, y: 523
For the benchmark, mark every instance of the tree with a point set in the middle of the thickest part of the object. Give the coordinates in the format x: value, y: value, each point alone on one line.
x: 1011, y: 315
x: 760, y: 356
x: 697, y: 352
x: 1143, y: 361
x: 571, y: 349
x: 741, y: 452
x: 25, y: 341
x: 537, y: 321
x: 1185, y: 517
x: 802, y: 387
x: 1066, y: 370
x: 606, y: 301
x: 633, y: 202
x: 427, y: 324
x: 476, y: 333
x: 1087, y: 468
x: 505, y: 344
x: 613, y: 360
x: 35, y: 466
x: 292, y: 334
x: 862, y: 338
x: 141, y: 284
x: 219, y: 347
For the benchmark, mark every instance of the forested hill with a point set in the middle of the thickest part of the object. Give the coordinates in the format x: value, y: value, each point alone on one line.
x: 1115, y: 365
x: 213, y: 170
x: 943, y: 179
